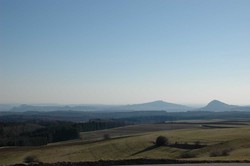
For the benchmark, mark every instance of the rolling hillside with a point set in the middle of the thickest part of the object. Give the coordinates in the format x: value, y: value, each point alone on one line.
x: 236, y: 140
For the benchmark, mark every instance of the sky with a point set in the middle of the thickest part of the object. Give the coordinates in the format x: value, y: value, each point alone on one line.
x: 121, y: 52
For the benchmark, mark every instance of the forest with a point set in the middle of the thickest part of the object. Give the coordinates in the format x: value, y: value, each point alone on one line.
x: 42, y: 132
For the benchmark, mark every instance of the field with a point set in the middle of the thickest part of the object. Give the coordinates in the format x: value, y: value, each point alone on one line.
x: 137, y: 142
x: 134, y: 130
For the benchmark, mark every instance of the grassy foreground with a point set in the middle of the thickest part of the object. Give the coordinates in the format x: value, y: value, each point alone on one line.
x: 140, y: 146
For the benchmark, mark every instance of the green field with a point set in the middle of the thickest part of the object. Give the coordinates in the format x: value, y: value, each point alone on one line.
x: 137, y: 142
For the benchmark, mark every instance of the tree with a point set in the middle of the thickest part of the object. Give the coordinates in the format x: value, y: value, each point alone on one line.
x: 161, y: 141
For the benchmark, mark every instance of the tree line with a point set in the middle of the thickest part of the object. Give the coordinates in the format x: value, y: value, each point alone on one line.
x: 40, y: 132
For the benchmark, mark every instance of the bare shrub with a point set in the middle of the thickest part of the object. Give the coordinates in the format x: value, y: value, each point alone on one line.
x: 225, y: 152
x: 197, y: 143
x: 187, y: 155
x: 31, y: 159
x: 106, y: 136
x: 217, y: 153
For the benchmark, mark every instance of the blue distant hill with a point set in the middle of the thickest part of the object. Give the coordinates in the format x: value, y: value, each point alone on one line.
x: 159, y: 105
x: 155, y: 105
x: 218, y: 106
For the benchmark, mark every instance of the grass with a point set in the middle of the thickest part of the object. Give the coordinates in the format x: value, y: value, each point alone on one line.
x: 133, y: 130
x: 140, y: 146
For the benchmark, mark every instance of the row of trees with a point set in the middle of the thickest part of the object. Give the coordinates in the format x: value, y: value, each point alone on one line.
x: 163, y: 141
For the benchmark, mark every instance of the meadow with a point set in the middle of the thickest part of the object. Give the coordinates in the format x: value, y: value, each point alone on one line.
x: 137, y: 141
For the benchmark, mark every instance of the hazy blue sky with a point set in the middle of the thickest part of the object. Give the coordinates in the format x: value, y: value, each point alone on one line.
x: 130, y: 51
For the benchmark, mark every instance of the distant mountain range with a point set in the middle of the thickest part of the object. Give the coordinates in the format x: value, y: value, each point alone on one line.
x: 25, y: 107
x: 155, y: 105
x: 215, y: 106
x: 7, y: 107
x: 151, y: 106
